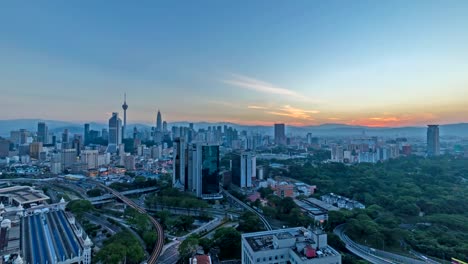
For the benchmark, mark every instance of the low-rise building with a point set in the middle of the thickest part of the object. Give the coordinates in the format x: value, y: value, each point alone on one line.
x: 297, y: 245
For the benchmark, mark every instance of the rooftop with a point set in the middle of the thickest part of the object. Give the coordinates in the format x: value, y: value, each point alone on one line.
x: 299, y: 239
x: 23, y: 194
x: 47, y: 237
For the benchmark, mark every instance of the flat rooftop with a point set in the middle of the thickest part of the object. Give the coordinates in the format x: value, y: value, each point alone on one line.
x: 310, y: 208
x: 302, y: 238
x: 23, y: 194
x: 323, y: 204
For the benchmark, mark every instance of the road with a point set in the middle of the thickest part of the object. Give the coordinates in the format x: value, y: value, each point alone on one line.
x: 262, y: 218
x: 373, y: 255
x: 160, y: 232
x: 171, y: 254
x: 358, y: 249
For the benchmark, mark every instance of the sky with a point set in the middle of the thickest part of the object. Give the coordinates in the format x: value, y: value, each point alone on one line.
x: 375, y: 63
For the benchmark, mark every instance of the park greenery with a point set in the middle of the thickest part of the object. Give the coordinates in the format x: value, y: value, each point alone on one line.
x: 412, y: 202
x: 122, y: 247
x: 79, y: 207
x: 171, y: 197
x: 142, y: 225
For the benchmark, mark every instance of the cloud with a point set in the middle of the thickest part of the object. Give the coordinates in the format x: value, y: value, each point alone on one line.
x: 256, y: 107
x: 260, y: 86
x: 294, y: 112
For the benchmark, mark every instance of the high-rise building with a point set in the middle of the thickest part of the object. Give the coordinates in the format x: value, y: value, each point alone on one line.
x: 4, y: 148
x: 433, y: 144
x: 115, y: 132
x: 104, y: 134
x: 124, y: 107
x: 210, y: 169
x: 86, y: 134
x: 68, y: 158
x: 280, y: 134
x: 179, y: 164
x: 129, y: 162
x: 243, y: 169
x: 65, y: 136
x: 159, y: 122
x: 34, y: 149
x: 204, y: 169
x: 42, y: 133
x: 164, y: 126
x: 90, y: 157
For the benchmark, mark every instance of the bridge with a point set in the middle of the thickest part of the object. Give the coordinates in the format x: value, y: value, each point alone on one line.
x: 160, y: 232
x: 248, y: 208
x: 106, y: 197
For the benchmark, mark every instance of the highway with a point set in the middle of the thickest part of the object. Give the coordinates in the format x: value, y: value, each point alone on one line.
x: 262, y: 218
x: 358, y: 249
x: 374, y: 255
x: 160, y: 232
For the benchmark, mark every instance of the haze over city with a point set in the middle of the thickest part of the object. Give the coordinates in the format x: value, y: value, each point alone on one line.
x: 372, y: 63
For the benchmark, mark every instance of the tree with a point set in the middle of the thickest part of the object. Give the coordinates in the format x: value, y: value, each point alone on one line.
x: 122, y: 247
x: 249, y: 222
x: 184, y: 222
x: 79, y: 207
x: 94, y: 192
x: 188, y: 247
x: 229, y: 242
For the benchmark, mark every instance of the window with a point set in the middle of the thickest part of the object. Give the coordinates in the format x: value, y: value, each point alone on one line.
x: 269, y: 258
x: 258, y: 259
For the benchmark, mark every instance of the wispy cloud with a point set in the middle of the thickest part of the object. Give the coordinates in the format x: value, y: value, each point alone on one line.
x: 294, y: 112
x: 260, y: 86
x: 256, y: 107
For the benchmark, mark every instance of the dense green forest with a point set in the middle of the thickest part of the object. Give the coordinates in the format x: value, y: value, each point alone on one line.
x: 412, y: 202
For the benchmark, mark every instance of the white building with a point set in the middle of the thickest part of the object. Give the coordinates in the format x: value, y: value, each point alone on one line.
x: 297, y: 245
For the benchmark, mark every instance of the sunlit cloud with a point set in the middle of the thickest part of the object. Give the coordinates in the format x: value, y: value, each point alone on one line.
x: 256, y: 107
x: 293, y: 112
x: 260, y: 86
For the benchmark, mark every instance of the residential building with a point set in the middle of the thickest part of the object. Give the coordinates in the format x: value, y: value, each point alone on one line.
x: 90, y: 157
x: 34, y: 149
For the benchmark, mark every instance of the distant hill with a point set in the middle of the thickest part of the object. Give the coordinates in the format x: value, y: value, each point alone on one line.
x: 55, y: 126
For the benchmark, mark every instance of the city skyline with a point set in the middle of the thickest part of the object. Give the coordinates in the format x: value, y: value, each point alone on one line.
x: 302, y: 63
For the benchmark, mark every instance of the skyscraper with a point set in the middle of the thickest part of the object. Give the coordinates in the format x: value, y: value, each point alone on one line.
x: 86, y: 134
x: 433, y: 145
x: 243, y: 169
x: 210, y: 170
x: 280, y: 134
x: 115, y: 125
x: 179, y: 164
x: 42, y: 132
x: 124, y: 107
x: 159, y: 122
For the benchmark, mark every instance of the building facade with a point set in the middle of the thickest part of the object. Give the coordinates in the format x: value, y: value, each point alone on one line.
x: 292, y: 245
x: 280, y: 134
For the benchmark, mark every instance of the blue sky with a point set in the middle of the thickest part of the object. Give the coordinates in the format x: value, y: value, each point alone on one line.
x: 254, y: 62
